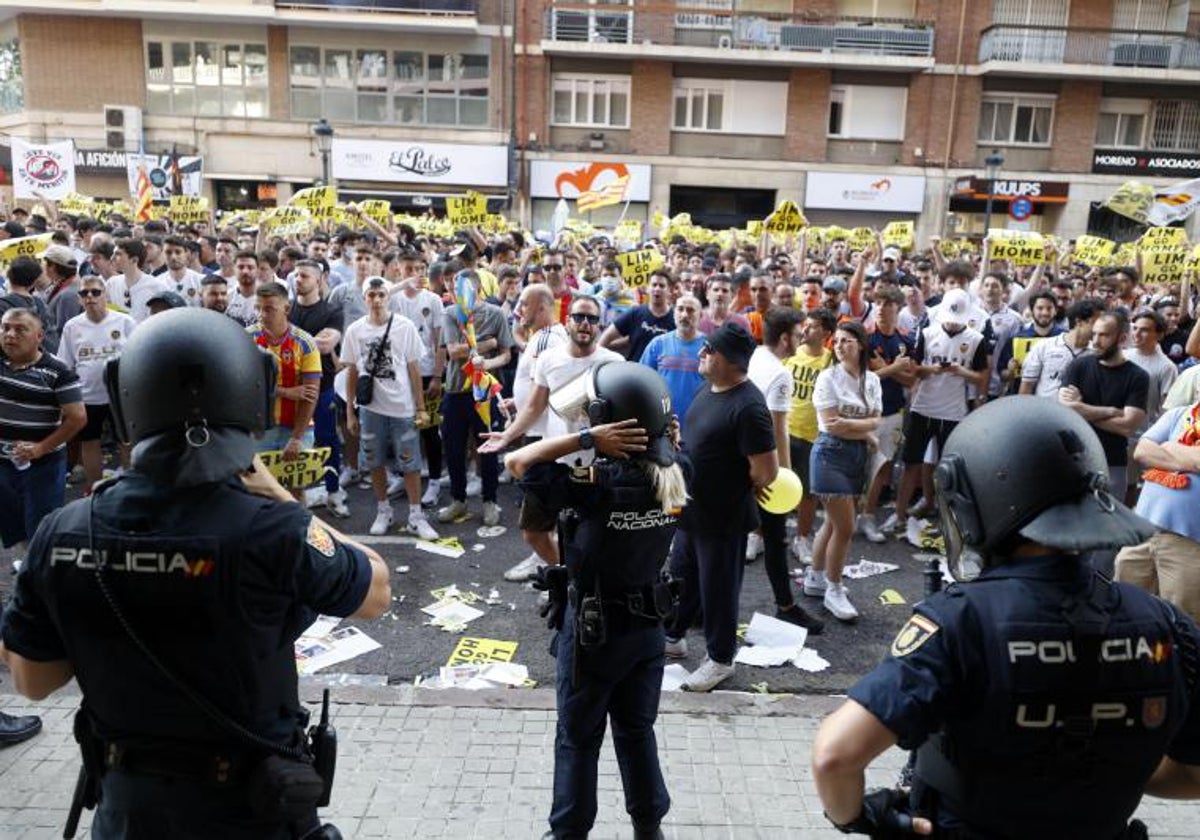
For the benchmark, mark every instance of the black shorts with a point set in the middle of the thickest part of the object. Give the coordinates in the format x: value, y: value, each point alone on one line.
x: 97, y: 416
x: 535, y: 516
x: 919, y: 430
x: 801, y: 450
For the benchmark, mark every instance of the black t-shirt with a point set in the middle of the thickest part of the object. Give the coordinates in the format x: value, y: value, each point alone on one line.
x: 1115, y: 387
x: 641, y: 325
x: 721, y: 431
x: 1173, y: 343
x: 321, y: 315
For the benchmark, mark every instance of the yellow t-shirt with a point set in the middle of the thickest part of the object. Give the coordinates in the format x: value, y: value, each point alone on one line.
x: 488, y: 284
x: 802, y: 419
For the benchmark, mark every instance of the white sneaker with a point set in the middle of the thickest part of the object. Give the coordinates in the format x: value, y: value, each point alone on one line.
x: 383, y: 521
x: 914, y: 529
x: 802, y: 548
x: 335, y: 503
x: 838, y: 604
x: 395, y: 485
x: 315, y: 497
x: 452, y: 511
x: 348, y: 476
x: 419, y: 526
x: 815, y: 583
x: 432, y: 491
x: 921, y: 508
x: 708, y: 676
x: 491, y: 513
x: 754, y: 547
x: 525, y: 570
x: 675, y: 648
x: 890, y: 524
x: 868, y: 528
x: 474, y: 487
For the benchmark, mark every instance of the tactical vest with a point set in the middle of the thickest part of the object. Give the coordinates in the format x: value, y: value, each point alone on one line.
x: 1082, y: 695
x: 206, y: 579
x: 621, y: 544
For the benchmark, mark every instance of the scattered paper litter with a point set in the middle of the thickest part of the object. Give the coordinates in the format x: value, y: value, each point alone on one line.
x: 493, y: 597
x: 924, y: 558
x: 762, y: 656
x: 488, y: 531
x: 809, y: 660
x: 478, y: 677
x: 446, y: 547
x: 673, y: 677
x: 338, y: 645
x: 350, y: 679
x: 771, y: 632
x: 868, y: 568
x: 477, y: 548
x: 890, y: 597
x: 402, y: 570
x: 451, y: 611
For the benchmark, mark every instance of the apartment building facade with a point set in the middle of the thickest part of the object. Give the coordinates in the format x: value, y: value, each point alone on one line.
x: 861, y: 111
x: 418, y: 92
x: 864, y: 111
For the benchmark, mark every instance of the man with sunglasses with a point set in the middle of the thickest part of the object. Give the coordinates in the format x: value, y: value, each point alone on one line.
x: 554, y: 267
x: 553, y: 369
x: 89, y: 340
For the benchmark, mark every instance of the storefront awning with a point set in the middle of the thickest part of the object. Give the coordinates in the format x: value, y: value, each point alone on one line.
x: 1006, y: 189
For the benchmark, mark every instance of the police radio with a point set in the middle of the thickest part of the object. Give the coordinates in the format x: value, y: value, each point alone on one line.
x: 322, y: 740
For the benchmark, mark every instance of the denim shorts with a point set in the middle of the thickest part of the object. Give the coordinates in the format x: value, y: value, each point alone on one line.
x: 277, y: 437
x: 837, y: 467
x: 378, y: 431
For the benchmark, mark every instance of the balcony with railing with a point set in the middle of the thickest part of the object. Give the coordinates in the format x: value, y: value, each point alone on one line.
x: 1101, y: 52
x: 429, y: 7
x: 714, y: 31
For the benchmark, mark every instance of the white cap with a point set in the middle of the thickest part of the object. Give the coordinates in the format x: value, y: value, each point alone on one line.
x: 954, y: 307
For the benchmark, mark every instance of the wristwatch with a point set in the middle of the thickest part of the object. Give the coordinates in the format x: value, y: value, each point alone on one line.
x: 585, y: 439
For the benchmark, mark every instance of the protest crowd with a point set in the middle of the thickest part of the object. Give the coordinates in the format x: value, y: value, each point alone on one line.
x: 413, y: 352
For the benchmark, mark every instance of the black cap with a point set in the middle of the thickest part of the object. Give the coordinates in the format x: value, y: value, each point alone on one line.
x: 171, y: 299
x: 734, y: 343
x: 14, y: 229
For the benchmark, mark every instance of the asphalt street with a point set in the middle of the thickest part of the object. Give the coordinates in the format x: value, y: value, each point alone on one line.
x: 412, y: 648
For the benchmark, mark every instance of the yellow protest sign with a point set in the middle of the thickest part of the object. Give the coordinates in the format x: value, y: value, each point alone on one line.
x: 1132, y: 200
x: 318, y: 201
x: 76, y: 204
x: 1017, y: 246
x: 470, y: 650
x: 304, y: 471
x: 787, y: 218
x: 815, y: 237
x: 188, y: 209
x: 379, y: 210
x: 1022, y: 346
x: 860, y: 238
x: 497, y: 223
x: 836, y: 232
x: 949, y: 248
x: 468, y: 210
x: 637, y: 266
x: 1094, y: 250
x: 1163, y: 239
x: 630, y: 230
x: 25, y: 246
x: 1126, y: 254
x: 1163, y: 266
x: 288, y: 221
x: 1194, y: 259
x: 754, y: 227
x: 899, y: 235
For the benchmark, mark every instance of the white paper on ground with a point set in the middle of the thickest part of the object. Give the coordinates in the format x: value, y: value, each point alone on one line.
x: 435, y: 548
x: 451, y: 611
x: 771, y: 632
x: 477, y: 677
x: 809, y: 660
x: 868, y: 568
x: 673, y: 677
x: 762, y: 656
x: 315, y: 653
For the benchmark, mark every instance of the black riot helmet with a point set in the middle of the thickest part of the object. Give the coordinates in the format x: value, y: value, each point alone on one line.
x: 615, y: 391
x: 1027, y: 466
x: 190, y: 370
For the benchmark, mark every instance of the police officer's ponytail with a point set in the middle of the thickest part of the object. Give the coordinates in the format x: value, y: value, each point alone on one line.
x: 670, y: 486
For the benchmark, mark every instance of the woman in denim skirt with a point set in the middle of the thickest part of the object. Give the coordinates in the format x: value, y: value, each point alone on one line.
x: 849, y: 400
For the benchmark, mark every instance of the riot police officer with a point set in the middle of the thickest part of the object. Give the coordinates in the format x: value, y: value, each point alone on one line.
x: 174, y: 596
x: 1042, y: 698
x: 609, y: 601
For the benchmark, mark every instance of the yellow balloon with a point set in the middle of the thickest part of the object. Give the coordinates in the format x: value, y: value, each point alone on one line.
x: 785, y: 492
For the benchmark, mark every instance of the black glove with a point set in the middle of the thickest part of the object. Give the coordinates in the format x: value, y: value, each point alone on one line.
x: 552, y: 579
x: 884, y: 816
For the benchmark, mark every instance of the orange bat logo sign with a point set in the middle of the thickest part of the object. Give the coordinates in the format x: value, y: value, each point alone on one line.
x: 584, y: 179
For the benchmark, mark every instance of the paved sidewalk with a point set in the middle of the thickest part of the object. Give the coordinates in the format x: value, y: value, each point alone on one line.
x: 419, y: 763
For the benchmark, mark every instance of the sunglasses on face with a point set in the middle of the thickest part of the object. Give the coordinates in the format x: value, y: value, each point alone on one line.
x: 585, y: 317
x: 551, y: 267
x: 87, y: 293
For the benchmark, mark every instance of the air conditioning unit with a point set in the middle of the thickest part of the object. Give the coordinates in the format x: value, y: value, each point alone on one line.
x: 725, y: 42
x: 123, y: 127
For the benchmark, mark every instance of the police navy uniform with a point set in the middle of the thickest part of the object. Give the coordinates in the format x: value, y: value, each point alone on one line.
x: 1028, y: 728
x: 219, y: 583
x: 617, y: 549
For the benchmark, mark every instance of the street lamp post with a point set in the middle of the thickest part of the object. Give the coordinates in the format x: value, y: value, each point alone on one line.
x: 993, y: 162
x: 323, y: 131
